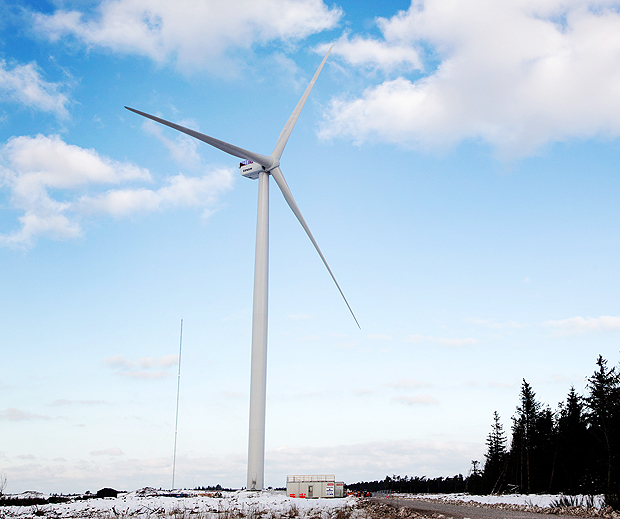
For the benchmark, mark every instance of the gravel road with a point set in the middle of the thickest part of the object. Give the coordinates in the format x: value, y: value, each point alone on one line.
x: 435, y: 509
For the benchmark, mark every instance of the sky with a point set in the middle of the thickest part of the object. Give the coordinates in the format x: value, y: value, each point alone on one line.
x: 456, y: 163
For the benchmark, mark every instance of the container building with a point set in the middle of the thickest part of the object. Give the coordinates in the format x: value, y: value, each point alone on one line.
x: 315, y: 486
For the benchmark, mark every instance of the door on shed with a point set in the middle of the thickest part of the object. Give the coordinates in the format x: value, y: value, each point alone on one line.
x: 310, y: 490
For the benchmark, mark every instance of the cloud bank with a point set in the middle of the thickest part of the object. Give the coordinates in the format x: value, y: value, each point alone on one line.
x: 515, y: 74
x: 578, y: 325
x: 17, y: 415
x: 363, y: 461
x: 51, y: 182
x: 145, y: 368
x: 189, y: 33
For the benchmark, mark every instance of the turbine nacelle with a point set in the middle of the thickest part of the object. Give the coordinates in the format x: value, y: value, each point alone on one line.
x: 250, y: 169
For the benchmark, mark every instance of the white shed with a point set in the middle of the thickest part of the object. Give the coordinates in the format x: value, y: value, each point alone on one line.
x: 314, y: 486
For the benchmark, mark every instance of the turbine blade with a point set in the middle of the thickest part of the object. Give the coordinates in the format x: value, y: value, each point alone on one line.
x: 231, y: 149
x: 288, y: 127
x: 277, y: 175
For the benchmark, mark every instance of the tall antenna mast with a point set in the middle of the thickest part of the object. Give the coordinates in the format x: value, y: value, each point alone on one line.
x: 176, y: 421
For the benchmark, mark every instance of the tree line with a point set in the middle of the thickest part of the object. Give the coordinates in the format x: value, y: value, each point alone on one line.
x: 412, y: 485
x: 574, y: 449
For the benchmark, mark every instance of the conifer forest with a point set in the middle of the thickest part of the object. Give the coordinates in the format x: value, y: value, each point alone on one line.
x: 573, y: 449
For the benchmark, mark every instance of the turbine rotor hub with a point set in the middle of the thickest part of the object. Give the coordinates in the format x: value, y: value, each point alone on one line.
x: 250, y: 169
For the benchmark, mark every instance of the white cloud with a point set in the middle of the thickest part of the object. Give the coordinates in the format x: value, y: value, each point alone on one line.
x: 192, y: 33
x: 407, y: 385
x: 385, y: 55
x: 145, y: 375
x: 16, y: 415
x: 51, y: 182
x: 120, y: 362
x: 515, y: 74
x: 425, y: 399
x: 572, y: 379
x: 145, y: 368
x: 64, y: 402
x: 166, y: 361
x: 183, y: 148
x: 43, y: 162
x: 578, y: 325
x: 489, y: 323
x: 26, y: 457
x: 23, y: 84
x: 443, y: 341
x: 179, y: 191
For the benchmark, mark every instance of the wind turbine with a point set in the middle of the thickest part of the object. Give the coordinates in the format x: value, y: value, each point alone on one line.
x: 260, y: 166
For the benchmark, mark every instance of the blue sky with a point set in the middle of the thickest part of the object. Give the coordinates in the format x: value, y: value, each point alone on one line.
x: 456, y: 162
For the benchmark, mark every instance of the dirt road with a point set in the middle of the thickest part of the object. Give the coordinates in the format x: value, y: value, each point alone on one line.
x: 418, y: 508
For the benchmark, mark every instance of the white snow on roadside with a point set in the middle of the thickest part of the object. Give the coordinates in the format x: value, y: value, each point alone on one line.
x: 541, y: 500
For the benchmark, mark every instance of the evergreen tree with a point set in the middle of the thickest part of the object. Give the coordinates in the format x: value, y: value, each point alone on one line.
x: 603, y: 402
x: 571, y: 468
x: 474, y: 480
x: 523, y: 437
x: 496, y: 456
x: 542, y: 451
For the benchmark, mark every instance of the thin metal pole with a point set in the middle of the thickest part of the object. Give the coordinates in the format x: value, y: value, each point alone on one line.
x: 176, y: 421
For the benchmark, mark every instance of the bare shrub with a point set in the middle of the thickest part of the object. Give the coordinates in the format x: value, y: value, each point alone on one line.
x: 343, y: 513
x: 574, y: 501
x: 293, y: 511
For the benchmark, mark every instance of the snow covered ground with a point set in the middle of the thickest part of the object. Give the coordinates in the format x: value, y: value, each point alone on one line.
x: 541, y: 500
x: 150, y: 503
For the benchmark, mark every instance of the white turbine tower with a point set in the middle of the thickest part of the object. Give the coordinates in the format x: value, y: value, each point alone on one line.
x: 260, y: 166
